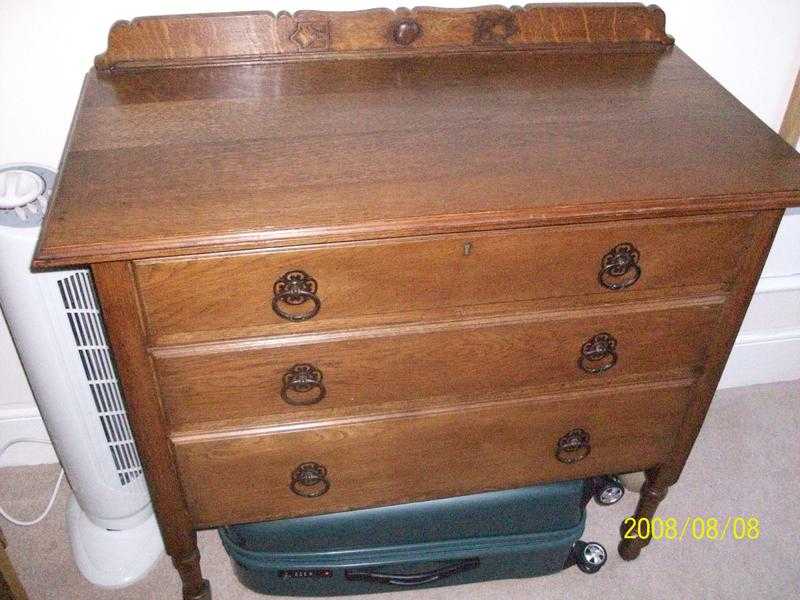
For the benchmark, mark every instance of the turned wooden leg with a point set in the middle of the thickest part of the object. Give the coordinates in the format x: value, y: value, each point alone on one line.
x: 188, y: 567
x: 116, y: 288
x: 653, y: 492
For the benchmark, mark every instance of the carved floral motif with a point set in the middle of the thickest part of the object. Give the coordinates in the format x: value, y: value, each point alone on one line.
x: 495, y: 28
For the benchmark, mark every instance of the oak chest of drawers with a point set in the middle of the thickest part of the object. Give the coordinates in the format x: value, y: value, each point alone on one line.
x: 358, y: 259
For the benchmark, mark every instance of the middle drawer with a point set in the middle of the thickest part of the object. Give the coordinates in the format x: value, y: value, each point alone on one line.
x: 307, y: 377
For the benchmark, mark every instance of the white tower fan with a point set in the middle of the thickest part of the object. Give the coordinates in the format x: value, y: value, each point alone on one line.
x: 54, y: 320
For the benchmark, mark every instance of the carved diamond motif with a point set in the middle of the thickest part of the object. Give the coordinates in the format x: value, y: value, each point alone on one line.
x: 311, y: 35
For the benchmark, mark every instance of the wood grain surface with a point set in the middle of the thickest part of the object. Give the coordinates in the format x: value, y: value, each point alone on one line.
x: 172, y: 161
x: 202, y: 39
x: 228, y: 296
x: 790, y: 126
x: 390, y: 461
x: 450, y: 362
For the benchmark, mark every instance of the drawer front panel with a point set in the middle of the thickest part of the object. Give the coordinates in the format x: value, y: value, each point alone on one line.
x: 425, y: 363
x: 513, y: 444
x: 238, y: 295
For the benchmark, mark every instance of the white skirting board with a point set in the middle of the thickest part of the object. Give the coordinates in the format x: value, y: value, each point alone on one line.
x: 23, y: 421
x: 767, y: 360
x: 768, y: 347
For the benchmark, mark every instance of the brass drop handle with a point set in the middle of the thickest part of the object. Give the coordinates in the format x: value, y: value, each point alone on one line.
x: 620, y: 268
x: 310, y: 480
x: 293, y: 289
x: 573, y: 447
x: 598, y: 353
x: 300, y: 380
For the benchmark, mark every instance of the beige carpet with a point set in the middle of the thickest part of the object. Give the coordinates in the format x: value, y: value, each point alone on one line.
x: 746, y: 462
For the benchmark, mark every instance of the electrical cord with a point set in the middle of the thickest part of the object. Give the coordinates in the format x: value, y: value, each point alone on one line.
x: 52, y: 496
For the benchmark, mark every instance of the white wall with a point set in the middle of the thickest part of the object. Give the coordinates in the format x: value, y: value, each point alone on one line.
x: 751, y: 46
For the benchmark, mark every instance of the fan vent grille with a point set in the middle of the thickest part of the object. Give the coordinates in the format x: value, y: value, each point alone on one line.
x: 83, y: 312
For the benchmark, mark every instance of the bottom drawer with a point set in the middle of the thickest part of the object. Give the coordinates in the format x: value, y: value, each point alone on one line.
x: 276, y: 473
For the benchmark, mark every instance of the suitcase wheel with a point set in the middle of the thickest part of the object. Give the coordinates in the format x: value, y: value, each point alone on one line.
x: 589, y: 556
x: 608, y: 490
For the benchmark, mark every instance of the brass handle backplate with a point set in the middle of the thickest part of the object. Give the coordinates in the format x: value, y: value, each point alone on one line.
x: 573, y: 447
x: 300, y: 380
x: 310, y: 480
x: 598, y: 354
x: 294, y: 289
x: 620, y: 268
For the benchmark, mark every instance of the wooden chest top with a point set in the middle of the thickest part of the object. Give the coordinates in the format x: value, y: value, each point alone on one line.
x: 165, y: 161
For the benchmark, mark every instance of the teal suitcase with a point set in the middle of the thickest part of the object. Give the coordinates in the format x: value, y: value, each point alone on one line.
x: 495, y: 535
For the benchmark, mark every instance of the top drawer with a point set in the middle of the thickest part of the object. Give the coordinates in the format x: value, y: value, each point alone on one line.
x: 315, y: 287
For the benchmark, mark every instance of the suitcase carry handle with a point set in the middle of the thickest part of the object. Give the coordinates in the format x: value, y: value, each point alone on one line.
x: 467, y: 564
